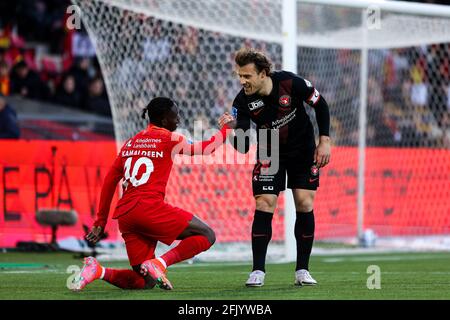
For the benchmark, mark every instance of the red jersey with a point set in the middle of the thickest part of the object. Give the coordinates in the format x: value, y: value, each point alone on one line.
x: 144, y: 164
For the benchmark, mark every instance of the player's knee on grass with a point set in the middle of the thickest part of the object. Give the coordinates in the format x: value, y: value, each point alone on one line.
x: 150, y: 283
x: 198, y: 227
x: 266, y: 202
x: 210, y: 235
x: 207, y: 232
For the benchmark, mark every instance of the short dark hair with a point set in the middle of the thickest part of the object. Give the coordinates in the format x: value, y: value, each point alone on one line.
x: 158, y: 108
x: 21, y: 64
x: 249, y: 55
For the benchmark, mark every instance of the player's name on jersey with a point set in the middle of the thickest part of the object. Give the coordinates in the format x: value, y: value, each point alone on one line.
x: 151, y: 154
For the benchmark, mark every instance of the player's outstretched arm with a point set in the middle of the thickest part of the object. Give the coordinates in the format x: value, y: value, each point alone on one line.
x: 209, y: 146
x: 225, y: 119
x: 108, y: 189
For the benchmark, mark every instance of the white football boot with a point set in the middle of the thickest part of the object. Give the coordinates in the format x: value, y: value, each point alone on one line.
x: 256, y: 279
x: 303, y: 278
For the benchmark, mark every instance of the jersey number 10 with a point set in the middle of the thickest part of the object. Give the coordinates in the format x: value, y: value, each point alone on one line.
x: 137, y: 165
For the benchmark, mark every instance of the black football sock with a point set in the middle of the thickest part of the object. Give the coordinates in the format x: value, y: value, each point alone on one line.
x: 304, y: 234
x: 261, y: 235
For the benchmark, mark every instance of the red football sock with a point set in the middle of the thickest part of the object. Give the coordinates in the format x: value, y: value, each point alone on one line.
x: 123, y: 278
x: 186, y: 249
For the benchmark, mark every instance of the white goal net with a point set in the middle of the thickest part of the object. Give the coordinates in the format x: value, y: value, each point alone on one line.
x: 184, y: 49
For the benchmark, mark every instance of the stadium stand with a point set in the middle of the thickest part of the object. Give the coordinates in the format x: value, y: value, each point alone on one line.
x: 42, y: 60
x: 47, y: 121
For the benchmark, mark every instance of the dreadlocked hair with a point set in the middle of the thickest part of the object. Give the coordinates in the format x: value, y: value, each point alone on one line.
x: 157, y: 108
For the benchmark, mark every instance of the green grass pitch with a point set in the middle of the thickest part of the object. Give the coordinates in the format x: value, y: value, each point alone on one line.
x: 344, y: 277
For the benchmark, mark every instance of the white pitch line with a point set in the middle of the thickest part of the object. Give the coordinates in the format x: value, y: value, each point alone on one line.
x: 383, y: 258
x: 30, y: 271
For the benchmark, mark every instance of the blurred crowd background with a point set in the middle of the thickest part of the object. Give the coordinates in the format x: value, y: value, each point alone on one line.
x: 42, y: 60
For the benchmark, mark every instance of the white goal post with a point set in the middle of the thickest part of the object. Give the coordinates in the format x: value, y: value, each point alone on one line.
x: 379, y: 64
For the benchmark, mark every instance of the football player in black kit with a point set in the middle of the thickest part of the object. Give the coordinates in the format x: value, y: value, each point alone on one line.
x: 274, y: 100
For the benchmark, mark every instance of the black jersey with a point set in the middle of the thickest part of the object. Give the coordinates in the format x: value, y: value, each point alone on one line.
x: 282, y: 109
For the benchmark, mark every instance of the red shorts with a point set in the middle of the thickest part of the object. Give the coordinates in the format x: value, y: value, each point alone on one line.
x: 149, y: 222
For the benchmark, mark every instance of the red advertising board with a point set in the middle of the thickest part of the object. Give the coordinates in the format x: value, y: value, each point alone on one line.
x: 49, y: 174
x: 407, y: 192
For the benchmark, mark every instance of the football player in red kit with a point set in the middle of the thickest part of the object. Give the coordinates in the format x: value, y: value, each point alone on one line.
x: 144, y: 164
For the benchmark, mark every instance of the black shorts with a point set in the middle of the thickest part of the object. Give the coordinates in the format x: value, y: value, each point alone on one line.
x: 301, y: 170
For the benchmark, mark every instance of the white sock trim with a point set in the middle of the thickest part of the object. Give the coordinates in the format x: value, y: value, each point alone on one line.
x: 162, y: 261
x: 103, y: 273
